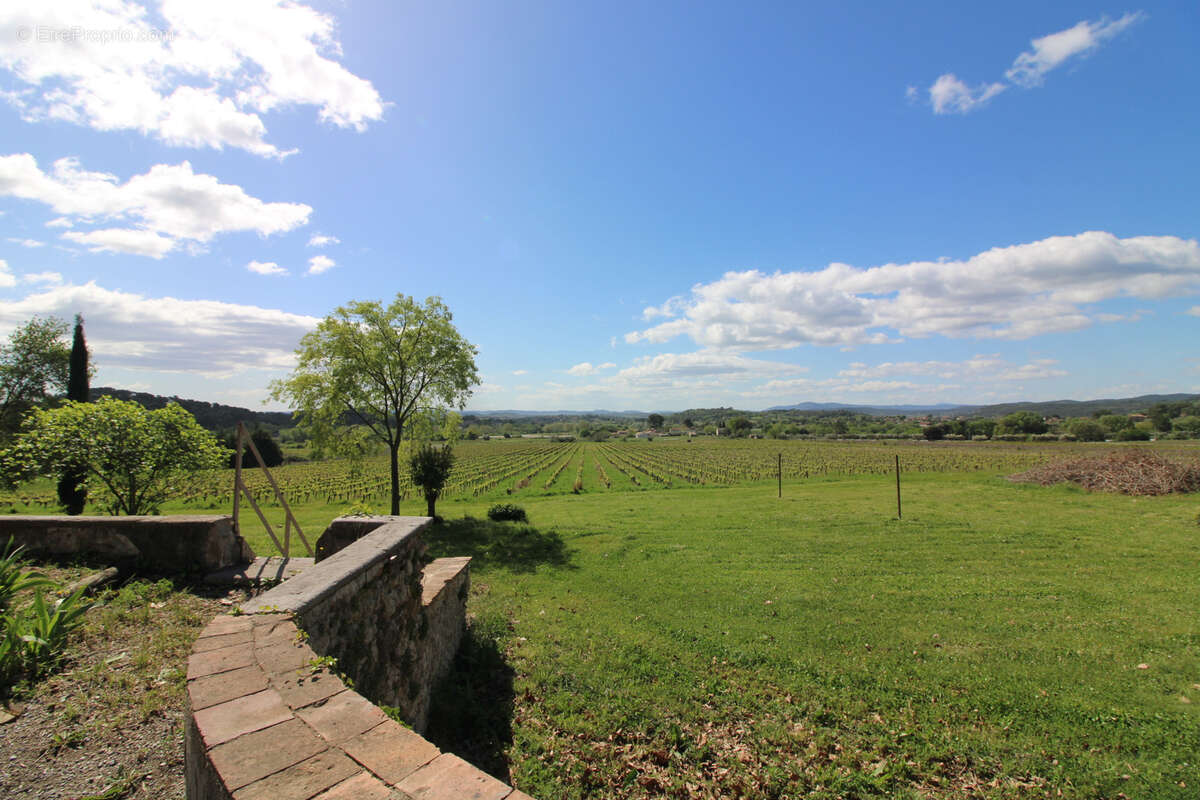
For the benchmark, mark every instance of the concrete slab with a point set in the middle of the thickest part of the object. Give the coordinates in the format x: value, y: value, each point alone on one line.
x: 273, y: 569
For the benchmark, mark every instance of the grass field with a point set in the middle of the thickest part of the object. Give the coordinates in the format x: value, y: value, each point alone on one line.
x: 1000, y: 640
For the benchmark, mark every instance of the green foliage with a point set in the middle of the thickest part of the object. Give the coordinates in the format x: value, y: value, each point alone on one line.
x: 1115, y: 423
x: 72, y: 493
x: 268, y: 448
x: 933, y: 433
x: 32, y: 639
x: 370, y: 368
x: 1133, y: 435
x: 507, y: 512
x: 47, y: 628
x: 1086, y: 430
x: 33, y: 365
x: 654, y: 421
x: 1189, y: 424
x: 132, y: 456
x: 12, y: 578
x: 1022, y: 422
x: 429, y: 469
x: 738, y: 426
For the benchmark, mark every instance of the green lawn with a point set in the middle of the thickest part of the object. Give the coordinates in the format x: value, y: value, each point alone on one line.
x: 1001, y: 640
x: 726, y: 642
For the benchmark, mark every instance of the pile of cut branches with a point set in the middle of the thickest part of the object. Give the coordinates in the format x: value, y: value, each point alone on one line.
x: 1136, y: 472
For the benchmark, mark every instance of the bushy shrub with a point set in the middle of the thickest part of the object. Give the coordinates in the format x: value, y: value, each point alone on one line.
x: 1133, y: 435
x: 507, y: 512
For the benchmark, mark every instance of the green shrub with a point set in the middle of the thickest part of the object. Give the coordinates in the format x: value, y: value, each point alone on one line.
x: 1132, y: 435
x: 507, y: 512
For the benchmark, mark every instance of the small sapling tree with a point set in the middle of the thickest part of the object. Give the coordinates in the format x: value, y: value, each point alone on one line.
x: 429, y: 468
x: 131, y: 455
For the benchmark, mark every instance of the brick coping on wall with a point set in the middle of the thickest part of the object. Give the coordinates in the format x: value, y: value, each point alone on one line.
x: 268, y: 719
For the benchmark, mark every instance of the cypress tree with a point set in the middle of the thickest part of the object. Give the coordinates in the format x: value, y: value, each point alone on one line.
x: 71, y: 491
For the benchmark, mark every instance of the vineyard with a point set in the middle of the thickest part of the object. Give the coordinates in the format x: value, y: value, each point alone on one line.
x: 531, y: 467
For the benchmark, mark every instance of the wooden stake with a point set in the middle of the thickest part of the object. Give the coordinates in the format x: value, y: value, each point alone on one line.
x: 898, y: 515
x: 780, y: 471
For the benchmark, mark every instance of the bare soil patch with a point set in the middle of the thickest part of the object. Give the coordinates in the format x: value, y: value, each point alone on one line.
x: 108, y: 724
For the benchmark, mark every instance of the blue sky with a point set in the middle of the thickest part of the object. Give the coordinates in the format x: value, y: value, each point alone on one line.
x: 643, y: 205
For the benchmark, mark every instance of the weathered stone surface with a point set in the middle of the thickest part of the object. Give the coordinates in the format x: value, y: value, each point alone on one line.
x: 211, y: 690
x: 345, y: 531
x: 183, y: 543
x: 391, y: 751
x: 305, y: 779
x: 242, y: 715
x: 270, y: 720
x: 363, y: 786
x: 344, y: 715
x: 256, y: 755
x: 448, y: 777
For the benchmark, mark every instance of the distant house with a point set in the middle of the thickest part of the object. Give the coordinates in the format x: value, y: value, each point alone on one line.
x: 644, y: 435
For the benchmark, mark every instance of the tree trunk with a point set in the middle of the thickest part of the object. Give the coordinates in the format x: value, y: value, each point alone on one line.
x: 430, y: 499
x: 395, y: 451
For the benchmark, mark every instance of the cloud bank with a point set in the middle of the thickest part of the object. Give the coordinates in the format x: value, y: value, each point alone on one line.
x: 190, y: 74
x: 154, y: 212
x: 1012, y: 292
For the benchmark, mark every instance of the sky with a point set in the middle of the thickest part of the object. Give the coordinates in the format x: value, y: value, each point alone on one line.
x: 651, y: 206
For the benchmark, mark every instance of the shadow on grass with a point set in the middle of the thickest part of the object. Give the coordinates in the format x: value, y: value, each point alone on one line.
x: 472, y: 707
x: 518, y: 547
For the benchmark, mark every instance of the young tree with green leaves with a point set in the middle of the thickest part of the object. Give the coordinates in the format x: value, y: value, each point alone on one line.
x: 131, y: 455
x: 429, y: 468
x: 71, y: 491
x: 373, y: 367
x: 33, y: 365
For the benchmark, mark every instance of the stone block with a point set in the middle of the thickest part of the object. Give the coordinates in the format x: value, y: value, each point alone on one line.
x: 211, y: 690
x: 391, y: 751
x: 242, y: 715
x: 302, y: 780
x: 344, y: 715
x: 448, y: 777
x: 249, y: 758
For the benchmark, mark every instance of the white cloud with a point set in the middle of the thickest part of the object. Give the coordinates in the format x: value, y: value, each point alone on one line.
x: 320, y: 240
x: 520, y: 372
x: 48, y: 278
x: 950, y: 95
x: 1194, y: 311
x: 1012, y: 292
x: 189, y: 74
x: 60, y: 222
x: 266, y: 268
x: 1056, y: 48
x: 27, y: 242
x: 165, y: 205
x: 7, y: 279
x: 979, y: 367
x: 586, y: 368
x: 123, y: 240
x: 319, y: 264
x: 166, y: 334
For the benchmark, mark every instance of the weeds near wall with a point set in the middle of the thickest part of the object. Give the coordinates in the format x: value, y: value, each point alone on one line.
x: 33, y: 636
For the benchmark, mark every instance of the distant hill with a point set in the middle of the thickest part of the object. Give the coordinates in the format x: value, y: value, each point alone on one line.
x: 876, y: 411
x: 213, y: 416
x: 1071, y: 408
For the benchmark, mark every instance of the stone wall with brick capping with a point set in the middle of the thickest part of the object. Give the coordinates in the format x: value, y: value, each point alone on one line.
x: 176, y: 543
x: 269, y: 719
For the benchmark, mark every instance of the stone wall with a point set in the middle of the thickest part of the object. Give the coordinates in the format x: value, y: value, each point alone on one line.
x: 203, y: 543
x: 269, y: 719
